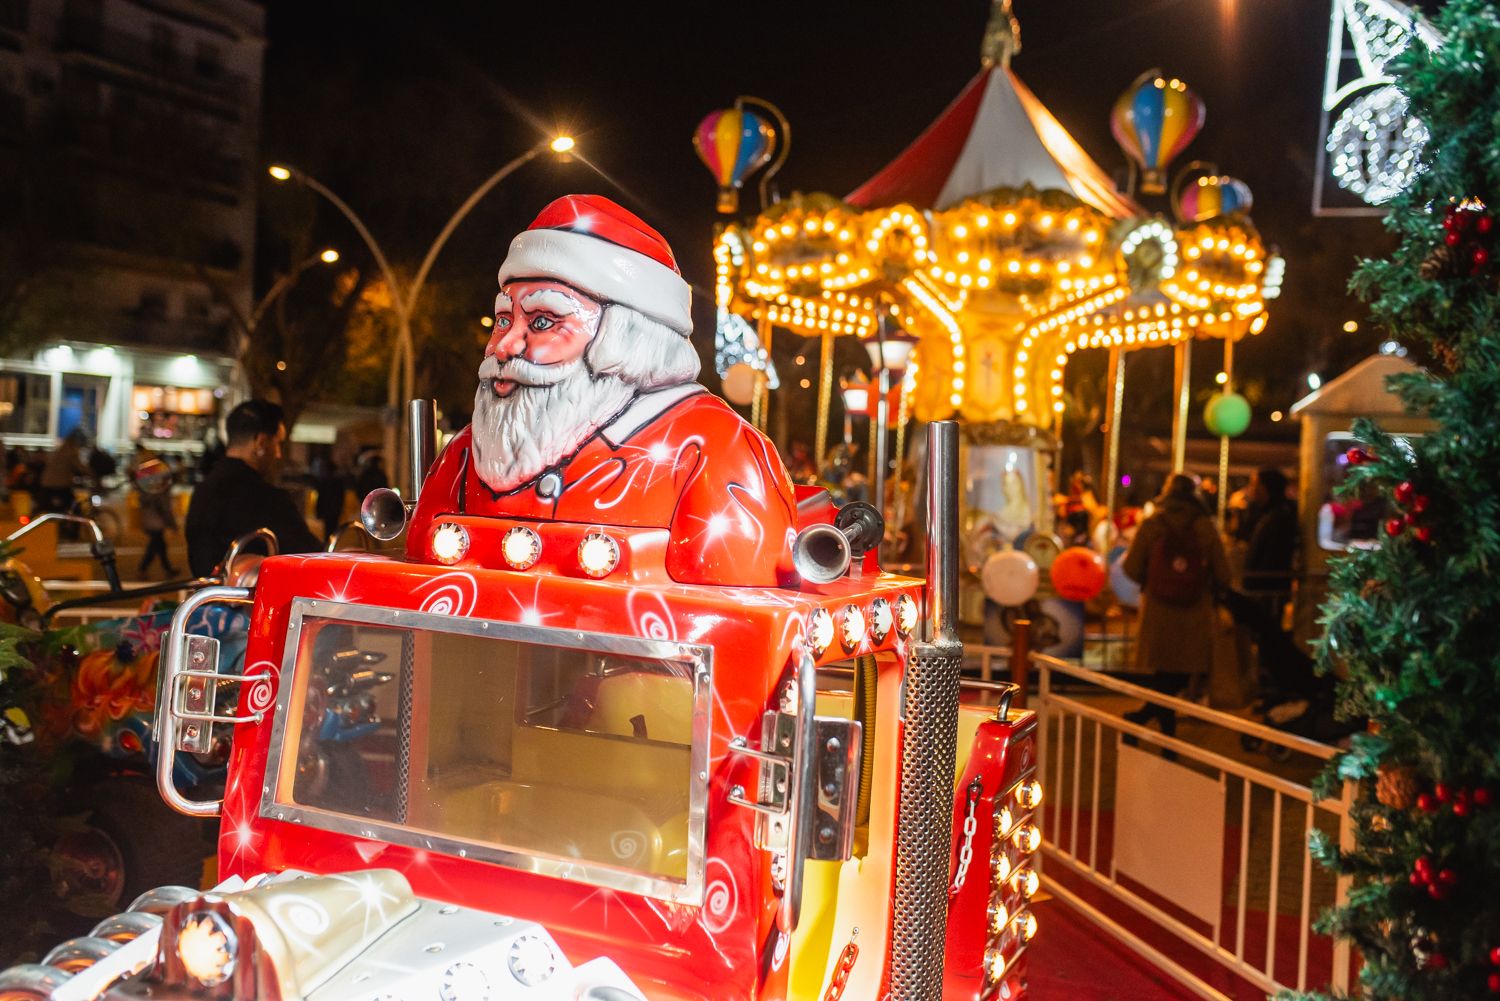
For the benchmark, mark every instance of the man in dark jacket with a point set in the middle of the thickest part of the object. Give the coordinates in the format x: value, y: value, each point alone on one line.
x: 1272, y: 542
x: 237, y: 497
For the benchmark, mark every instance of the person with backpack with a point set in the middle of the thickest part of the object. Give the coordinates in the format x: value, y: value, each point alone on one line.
x: 1179, y: 561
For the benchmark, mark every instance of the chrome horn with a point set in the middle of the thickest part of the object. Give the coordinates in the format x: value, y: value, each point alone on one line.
x: 822, y: 553
x: 383, y: 514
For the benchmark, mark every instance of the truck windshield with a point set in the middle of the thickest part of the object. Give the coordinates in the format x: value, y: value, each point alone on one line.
x: 494, y: 741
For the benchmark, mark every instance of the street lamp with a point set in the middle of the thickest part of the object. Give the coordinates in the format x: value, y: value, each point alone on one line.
x: 328, y: 256
x: 401, y: 379
x: 890, y: 351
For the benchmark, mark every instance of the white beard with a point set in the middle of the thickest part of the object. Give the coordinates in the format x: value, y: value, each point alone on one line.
x: 518, y: 437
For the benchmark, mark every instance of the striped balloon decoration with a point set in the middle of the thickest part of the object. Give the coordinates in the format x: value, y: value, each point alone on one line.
x: 1153, y: 121
x: 733, y: 143
x: 1211, y: 197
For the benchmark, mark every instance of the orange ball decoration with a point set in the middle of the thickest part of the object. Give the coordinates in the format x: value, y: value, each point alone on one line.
x: 1078, y: 574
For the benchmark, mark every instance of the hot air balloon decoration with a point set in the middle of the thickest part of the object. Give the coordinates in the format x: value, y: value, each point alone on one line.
x: 733, y: 143
x: 1153, y: 121
x: 1211, y: 197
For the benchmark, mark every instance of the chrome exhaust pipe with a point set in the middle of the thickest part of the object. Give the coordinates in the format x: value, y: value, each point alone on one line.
x: 421, y: 425
x: 929, y: 746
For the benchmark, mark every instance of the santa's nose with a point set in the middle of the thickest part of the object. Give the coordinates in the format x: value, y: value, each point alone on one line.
x: 507, y: 342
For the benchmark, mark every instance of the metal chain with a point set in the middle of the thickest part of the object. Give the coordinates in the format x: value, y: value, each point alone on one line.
x: 966, y: 850
x: 841, y: 972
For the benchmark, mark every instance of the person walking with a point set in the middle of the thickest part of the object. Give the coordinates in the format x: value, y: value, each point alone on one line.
x: 1179, y: 562
x: 237, y: 496
x: 153, y: 485
x: 63, y: 467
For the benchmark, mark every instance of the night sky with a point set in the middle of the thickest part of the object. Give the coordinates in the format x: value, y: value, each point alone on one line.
x: 403, y: 109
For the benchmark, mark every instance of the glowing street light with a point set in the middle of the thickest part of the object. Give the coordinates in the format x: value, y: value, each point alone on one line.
x: 329, y: 256
x: 402, y: 377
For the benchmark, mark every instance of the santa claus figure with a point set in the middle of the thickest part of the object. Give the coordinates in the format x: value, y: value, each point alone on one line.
x: 587, y: 411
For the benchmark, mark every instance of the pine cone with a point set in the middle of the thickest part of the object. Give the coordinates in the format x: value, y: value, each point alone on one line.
x: 1441, y: 263
x: 1396, y: 786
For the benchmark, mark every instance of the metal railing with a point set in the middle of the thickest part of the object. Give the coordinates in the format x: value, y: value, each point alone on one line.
x: 1265, y: 863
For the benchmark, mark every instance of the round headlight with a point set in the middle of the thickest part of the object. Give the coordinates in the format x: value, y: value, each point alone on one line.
x: 206, y: 945
x: 450, y: 542
x: 598, y: 554
x: 521, y: 548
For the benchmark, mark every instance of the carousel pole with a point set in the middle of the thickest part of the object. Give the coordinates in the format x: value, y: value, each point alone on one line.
x: 1182, y: 384
x: 760, y: 414
x: 1224, y: 438
x: 1116, y: 390
x: 825, y: 397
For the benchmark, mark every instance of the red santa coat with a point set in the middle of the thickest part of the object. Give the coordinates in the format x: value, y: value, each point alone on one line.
x: 679, y: 459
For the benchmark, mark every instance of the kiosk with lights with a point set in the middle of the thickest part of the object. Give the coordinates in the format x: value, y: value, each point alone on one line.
x: 628, y: 717
x: 997, y: 244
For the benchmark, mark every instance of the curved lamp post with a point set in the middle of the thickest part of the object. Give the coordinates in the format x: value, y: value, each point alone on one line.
x: 401, y: 380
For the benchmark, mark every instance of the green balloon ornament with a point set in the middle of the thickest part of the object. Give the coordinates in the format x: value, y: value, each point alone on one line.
x: 1227, y: 415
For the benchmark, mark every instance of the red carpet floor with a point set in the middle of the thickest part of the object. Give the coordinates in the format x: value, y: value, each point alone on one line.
x: 1072, y: 960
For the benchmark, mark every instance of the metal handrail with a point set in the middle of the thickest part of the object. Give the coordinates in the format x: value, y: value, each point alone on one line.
x: 173, y: 651
x: 1184, y: 707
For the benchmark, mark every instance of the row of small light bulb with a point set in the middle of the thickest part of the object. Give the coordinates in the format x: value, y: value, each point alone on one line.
x: 1073, y: 292
x: 1205, y: 284
x: 1012, y: 828
x: 521, y: 547
x: 919, y: 291
x: 1112, y: 294
x: 855, y: 624
x: 729, y: 254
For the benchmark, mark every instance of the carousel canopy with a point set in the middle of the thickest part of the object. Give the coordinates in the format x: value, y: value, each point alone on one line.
x: 996, y: 134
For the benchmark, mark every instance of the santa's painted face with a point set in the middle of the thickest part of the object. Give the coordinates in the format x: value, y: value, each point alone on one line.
x: 537, y: 400
x: 543, y: 324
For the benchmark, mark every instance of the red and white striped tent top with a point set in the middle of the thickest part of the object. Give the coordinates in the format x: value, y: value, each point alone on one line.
x: 996, y: 134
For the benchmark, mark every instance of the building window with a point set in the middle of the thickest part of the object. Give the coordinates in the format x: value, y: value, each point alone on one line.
x: 173, y: 413
x: 208, y: 61
x: 163, y: 44
x: 25, y: 402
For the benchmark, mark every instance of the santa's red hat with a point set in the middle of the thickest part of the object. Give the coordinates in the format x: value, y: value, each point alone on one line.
x: 597, y: 247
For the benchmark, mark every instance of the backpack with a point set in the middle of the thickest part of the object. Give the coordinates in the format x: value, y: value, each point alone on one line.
x: 1176, y: 573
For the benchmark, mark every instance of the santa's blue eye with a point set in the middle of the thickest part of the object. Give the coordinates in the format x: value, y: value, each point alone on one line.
x: 543, y: 323
x: 502, y: 322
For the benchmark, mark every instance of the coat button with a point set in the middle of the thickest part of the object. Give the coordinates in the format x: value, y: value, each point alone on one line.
x: 549, y: 486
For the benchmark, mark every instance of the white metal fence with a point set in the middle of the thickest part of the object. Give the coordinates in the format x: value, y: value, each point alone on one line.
x: 1230, y: 877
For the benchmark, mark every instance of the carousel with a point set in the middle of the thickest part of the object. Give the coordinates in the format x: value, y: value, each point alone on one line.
x: 980, y: 261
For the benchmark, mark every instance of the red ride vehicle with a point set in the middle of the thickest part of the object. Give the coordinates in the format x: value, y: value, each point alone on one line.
x: 629, y: 719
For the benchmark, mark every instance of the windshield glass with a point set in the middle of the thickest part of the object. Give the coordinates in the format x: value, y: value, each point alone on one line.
x: 571, y: 760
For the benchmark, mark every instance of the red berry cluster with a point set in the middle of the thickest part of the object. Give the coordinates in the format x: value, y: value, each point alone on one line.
x: 1469, y: 234
x: 1494, y: 981
x: 1461, y: 800
x: 1358, y: 456
x: 1439, y: 882
x: 1416, y: 505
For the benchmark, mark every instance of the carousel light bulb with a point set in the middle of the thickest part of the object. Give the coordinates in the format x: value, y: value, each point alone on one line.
x: 820, y: 631
x: 598, y: 554
x: 1002, y: 868
x: 450, y: 542
x: 1027, y: 927
x: 521, y: 547
x: 1029, y: 794
x: 1027, y: 881
x: 906, y: 607
x: 994, y: 964
x: 1029, y: 838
